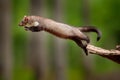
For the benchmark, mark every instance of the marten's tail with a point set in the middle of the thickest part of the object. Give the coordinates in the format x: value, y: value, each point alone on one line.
x: 91, y: 29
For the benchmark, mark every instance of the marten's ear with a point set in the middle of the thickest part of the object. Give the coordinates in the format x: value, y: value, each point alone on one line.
x: 25, y: 18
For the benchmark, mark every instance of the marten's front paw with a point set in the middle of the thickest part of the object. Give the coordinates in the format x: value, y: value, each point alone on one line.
x: 33, y: 29
x: 27, y: 28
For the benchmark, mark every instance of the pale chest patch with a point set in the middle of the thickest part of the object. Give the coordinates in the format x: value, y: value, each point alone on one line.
x: 33, y: 24
x: 36, y: 23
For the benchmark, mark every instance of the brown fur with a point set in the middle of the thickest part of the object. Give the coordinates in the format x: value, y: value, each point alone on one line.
x: 59, y: 29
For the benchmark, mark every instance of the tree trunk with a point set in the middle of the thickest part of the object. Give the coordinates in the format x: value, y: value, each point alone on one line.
x: 86, y: 12
x: 59, y: 45
x: 37, y: 48
x: 5, y: 40
x: 87, y: 60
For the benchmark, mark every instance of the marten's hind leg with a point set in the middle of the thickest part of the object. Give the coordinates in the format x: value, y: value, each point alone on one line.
x: 79, y: 43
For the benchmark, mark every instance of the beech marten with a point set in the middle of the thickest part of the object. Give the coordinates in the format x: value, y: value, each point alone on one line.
x: 37, y: 23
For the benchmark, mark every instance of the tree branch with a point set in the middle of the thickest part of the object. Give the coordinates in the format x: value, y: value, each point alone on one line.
x: 112, y: 54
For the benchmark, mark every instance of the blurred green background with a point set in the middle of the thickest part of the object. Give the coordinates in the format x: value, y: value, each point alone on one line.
x: 41, y: 56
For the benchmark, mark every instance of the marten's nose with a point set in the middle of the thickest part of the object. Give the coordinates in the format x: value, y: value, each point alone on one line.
x: 20, y: 24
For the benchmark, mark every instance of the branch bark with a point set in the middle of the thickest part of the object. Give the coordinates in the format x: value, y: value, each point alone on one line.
x: 112, y: 54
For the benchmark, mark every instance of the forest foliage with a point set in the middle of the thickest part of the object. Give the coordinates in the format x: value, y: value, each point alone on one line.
x: 104, y: 14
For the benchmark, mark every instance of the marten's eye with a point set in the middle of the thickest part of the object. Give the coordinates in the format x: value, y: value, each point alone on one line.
x: 26, y: 19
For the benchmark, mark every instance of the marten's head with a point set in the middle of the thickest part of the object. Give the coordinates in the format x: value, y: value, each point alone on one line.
x: 30, y: 23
